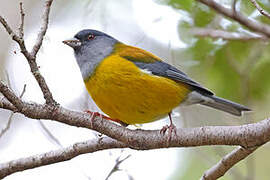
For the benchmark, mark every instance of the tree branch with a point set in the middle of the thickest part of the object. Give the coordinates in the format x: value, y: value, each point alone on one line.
x: 43, y: 28
x: 49, y: 134
x: 115, y: 168
x: 227, y: 162
x: 60, y: 155
x: 260, y: 9
x: 14, y: 36
x: 31, y: 57
x: 210, y: 160
x: 249, y: 23
x: 4, y: 130
x: 249, y: 135
x: 21, y: 27
x: 234, y: 7
x: 16, y: 101
x: 216, y: 33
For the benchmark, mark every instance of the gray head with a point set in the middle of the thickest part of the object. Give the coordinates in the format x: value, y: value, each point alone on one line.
x: 90, y: 48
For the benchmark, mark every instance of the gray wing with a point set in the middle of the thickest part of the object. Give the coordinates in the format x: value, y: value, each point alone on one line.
x: 160, y: 68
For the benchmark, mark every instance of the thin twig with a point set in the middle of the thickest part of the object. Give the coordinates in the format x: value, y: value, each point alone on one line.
x: 12, y: 98
x: 249, y: 23
x: 9, y: 30
x: 21, y: 27
x: 210, y: 160
x: 15, y: 37
x: 5, y: 129
x: 60, y: 155
x: 32, y: 62
x: 8, y: 79
x: 23, y: 91
x: 220, y: 151
x: 226, y: 163
x: 216, y: 33
x: 50, y: 135
x: 116, y: 165
x: 31, y: 57
x: 43, y: 28
x: 234, y: 7
x: 260, y: 9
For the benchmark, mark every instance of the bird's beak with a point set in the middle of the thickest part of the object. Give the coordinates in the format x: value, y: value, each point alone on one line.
x: 74, y: 42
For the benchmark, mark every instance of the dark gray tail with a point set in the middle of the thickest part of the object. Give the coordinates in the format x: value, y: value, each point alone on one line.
x: 226, y: 105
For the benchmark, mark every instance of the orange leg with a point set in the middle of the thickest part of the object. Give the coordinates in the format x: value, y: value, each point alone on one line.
x: 94, y: 114
x: 171, y: 128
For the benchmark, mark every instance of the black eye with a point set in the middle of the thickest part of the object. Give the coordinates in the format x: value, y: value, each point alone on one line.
x: 90, y: 37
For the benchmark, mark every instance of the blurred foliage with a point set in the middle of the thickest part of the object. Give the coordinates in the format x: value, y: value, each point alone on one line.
x: 236, y: 70
x: 184, y: 4
x: 226, y: 62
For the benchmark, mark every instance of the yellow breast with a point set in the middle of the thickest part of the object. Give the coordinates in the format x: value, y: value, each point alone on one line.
x: 124, y: 92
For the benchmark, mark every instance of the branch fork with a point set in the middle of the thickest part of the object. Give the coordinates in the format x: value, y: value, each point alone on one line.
x: 247, y: 137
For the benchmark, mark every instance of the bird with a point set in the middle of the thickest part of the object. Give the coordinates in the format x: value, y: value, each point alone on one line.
x: 134, y: 86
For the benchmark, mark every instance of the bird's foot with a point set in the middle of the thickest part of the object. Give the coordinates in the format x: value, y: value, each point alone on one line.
x: 95, y: 114
x: 171, y: 129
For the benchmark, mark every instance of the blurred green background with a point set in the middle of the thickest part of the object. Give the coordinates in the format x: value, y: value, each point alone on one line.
x: 234, y: 69
x: 238, y: 70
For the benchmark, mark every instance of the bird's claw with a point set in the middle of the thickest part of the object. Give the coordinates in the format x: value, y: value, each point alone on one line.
x: 164, y: 129
x: 171, y: 129
x: 95, y: 114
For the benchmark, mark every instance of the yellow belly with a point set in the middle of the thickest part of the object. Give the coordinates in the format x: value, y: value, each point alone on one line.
x: 125, y: 93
